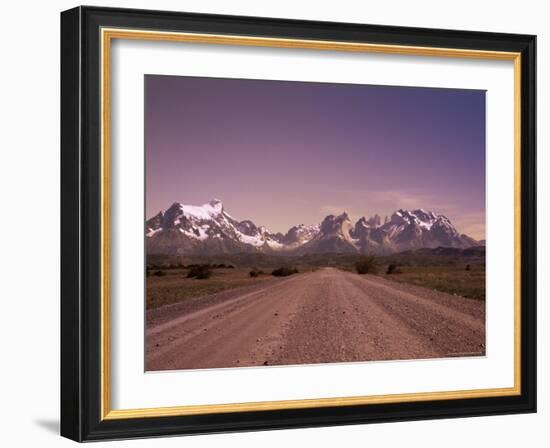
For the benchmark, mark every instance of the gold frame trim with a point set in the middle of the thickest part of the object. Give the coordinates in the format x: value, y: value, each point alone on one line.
x: 107, y: 35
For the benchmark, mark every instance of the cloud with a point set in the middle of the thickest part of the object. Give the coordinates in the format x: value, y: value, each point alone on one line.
x: 472, y: 224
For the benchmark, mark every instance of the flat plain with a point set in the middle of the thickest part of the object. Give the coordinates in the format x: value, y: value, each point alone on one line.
x: 317, y: 316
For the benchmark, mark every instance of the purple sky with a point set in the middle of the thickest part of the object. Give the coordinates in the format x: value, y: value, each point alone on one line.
x: 284, y: 153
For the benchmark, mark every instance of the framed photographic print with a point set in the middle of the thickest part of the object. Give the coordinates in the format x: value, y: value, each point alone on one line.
x: 275, y: 224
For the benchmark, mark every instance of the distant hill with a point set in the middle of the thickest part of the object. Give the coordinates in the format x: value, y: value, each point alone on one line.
x: 439, y: 256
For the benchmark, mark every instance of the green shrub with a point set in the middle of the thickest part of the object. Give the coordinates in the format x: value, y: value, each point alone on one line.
x: 393, y: 269
x: 366, y: 265
x: 200, y: 271
x: 284, y: 271
x: 204, y: 274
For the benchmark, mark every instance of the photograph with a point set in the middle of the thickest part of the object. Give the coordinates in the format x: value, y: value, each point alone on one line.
x: 292, y: 223
x: 291, y: 220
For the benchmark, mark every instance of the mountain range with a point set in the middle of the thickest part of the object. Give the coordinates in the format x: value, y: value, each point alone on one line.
x: 209, y: 230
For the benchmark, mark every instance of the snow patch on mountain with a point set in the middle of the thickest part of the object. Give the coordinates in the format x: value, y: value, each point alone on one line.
x: 206, y: 211
x: 256, y: 241
x: 151, y: 232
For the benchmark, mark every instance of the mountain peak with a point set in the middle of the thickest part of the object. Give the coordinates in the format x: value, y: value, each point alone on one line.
x: 178, y: 211
x: 216, y: 203
x: 419, y: 217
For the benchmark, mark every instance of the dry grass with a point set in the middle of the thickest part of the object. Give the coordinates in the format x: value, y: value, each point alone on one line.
x: 450, y: 279
x: 174, y: 286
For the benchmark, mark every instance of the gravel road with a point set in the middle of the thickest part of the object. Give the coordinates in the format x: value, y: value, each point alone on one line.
x: 323, y: 316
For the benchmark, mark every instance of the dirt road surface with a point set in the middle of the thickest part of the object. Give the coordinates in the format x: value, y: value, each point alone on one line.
x: 319, y: 317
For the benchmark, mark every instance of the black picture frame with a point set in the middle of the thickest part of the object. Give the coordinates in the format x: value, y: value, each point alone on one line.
x: 81, y: 224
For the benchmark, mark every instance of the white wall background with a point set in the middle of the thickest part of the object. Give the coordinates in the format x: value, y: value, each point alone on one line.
x: 29, y: 238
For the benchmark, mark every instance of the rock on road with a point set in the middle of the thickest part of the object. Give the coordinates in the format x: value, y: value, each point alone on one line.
x: 323, y: 316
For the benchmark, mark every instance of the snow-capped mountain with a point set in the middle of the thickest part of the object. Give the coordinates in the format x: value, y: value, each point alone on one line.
x: 335, y: 235
x: 208, y: 229
x: 298, y: 236
x: 409, y: 230
x: 205, y: 229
